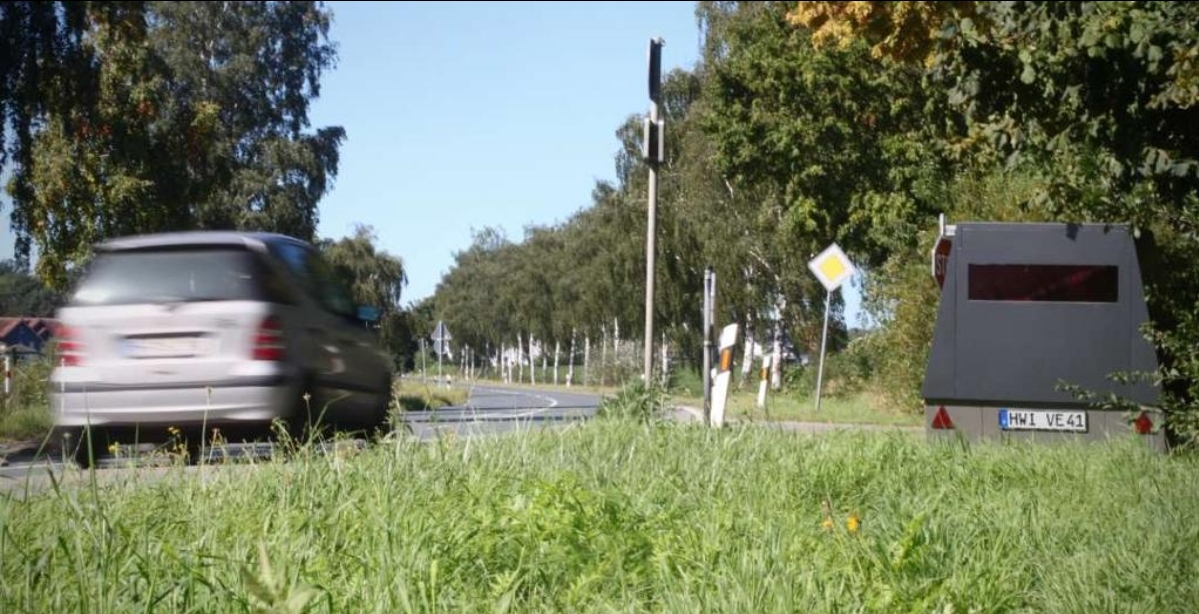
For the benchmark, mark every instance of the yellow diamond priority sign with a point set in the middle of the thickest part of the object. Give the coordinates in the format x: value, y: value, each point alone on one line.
x: 832, y: 267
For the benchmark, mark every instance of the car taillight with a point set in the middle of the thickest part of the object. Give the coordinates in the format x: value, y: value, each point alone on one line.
x: 268, y: 341
x: 70, y: 349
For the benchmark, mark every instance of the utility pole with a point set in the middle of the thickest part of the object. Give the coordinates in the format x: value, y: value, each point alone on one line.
x: 709, y: 293
x: 654, y: 154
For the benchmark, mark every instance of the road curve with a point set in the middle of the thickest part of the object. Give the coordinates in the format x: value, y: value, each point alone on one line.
x: 497, y: 409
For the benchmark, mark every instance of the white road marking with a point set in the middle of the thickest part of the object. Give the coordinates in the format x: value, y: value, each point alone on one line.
x: 551, y: 403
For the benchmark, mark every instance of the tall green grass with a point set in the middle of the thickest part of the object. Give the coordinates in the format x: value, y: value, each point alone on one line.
x: 861, y: 407
x: 25, y: 411
x: 415, y: 395
x: 615, y: 515
x: 857, y: 408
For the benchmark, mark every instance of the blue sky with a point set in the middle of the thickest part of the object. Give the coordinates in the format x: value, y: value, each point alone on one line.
x: 461, y: 116
x: 466, y: 115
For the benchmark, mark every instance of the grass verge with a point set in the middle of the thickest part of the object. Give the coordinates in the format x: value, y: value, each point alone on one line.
x: 857, y: 408
x: 415, y: 395
x: 616, y: 515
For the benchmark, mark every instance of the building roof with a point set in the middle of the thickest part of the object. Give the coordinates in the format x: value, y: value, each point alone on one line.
x: 8, y: 326
x: 45, y: 328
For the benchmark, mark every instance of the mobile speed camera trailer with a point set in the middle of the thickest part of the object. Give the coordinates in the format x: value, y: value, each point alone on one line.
x: 1027, y: 311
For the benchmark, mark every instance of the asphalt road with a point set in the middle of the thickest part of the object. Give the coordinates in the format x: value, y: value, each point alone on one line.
x: 492, y: 410
x: 489, y: 410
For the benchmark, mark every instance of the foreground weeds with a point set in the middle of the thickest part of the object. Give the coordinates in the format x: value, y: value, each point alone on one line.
x: 617, y: 515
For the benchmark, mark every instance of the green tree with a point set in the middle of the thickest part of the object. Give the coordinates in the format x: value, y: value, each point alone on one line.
x: 44, y: 68
x: 474, y: 297
x: 816, y: 145
x: 175, y: 116
x: 375, y: 279
x: 1096, y: 102
x: 24, y: 295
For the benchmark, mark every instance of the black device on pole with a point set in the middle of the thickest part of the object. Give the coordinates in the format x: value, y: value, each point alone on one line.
x: 653, y: 146
x: 653, y: 154
x: 655, y: 70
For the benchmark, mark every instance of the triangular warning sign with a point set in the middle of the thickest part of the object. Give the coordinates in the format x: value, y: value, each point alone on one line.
x: 941, y: 421
x: 1143, y: 424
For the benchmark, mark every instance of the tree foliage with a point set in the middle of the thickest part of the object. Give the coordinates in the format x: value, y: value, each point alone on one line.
x: 135, y: 117
x: 23, y: 295
x: 905, y: 31
x: 376, y: 279
x: 1096, y: 103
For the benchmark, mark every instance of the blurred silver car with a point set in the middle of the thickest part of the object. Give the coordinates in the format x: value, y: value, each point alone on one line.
x: 195, y: 331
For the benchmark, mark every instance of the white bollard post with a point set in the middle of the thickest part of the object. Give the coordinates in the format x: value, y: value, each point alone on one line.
x: 720, y: 387
x: 665, y: 366
x: 765, y: 380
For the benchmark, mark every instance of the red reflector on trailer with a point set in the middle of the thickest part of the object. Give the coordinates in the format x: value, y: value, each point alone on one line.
x: 1143, y: 424
x: 941, y: 420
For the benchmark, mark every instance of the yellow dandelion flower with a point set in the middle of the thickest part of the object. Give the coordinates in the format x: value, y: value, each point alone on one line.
x: 114, y: 448
x: 827, y: 524
x: 853, y: 523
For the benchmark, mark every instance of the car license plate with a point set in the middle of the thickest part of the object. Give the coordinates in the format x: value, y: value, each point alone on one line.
x: 1042, y: 420
x: 163, y: 347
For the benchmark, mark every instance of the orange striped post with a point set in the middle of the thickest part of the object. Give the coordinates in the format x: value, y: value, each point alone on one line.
x: 720, y: 389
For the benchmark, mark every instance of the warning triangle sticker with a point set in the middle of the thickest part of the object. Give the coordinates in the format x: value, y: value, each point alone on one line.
x: 1143, y: 424
x: 941, y: 419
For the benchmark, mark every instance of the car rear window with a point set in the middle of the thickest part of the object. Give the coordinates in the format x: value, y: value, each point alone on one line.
x: 178, y: 276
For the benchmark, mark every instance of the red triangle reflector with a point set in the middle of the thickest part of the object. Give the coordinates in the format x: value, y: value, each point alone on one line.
x: 1143, y: 424
x: 941, y: 421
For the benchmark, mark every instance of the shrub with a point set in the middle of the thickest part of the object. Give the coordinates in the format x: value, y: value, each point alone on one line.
x: 635, y: 401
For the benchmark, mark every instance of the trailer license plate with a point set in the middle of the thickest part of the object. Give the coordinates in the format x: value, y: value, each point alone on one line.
x: 1042, y: 420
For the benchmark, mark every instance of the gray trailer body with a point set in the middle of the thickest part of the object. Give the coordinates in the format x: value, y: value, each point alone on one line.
x: 1026, y: 308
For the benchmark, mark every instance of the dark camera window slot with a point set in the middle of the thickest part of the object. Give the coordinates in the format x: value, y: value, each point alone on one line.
x: 1044, y: 282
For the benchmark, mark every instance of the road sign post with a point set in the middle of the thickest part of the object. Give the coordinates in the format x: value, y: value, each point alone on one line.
x: 653, y: 156
x: 940, y: 254
x: 833, y: 268
x: 423, y: 376
x: 709, y: 294
x: 441, y: 339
